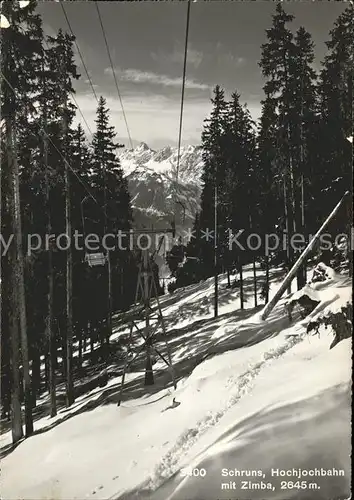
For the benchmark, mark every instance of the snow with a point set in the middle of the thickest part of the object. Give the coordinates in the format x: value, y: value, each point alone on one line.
x: 251, y: 395
x: 322, y: 272
x: 303, y: 423
x: 4, y: 23
x: 307, y: 290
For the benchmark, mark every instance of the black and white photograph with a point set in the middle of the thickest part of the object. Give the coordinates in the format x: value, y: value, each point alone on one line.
x: 176, y: 240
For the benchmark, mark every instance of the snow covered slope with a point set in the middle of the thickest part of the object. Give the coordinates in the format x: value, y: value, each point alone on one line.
x: 153, y: 185
x: 252, y: 395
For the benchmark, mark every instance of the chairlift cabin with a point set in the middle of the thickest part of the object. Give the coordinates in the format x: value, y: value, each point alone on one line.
x: 95, y: 259
x: 195, y: 259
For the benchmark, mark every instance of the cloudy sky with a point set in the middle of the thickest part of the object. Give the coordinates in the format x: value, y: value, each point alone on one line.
x: 146, y: 40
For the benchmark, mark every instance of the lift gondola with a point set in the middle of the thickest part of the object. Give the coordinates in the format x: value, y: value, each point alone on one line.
x: 93, y: 259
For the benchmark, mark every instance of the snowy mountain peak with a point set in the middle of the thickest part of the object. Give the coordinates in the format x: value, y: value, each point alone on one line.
x: 142, y: 147
x: 164, y: 161
x: 151, y: 179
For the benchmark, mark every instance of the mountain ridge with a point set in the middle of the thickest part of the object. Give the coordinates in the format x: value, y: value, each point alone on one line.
x: 155, y: 187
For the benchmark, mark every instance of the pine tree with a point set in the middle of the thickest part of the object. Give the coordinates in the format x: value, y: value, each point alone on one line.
x: 108, y: 179
x: 269, y: 198
x: 336, y: 116
x: 50, y: 333
x: 269, y: 206
x: 239, y: 190
x: 81, y: 162
x: 62, y: 66
x: 304, y: 129
x: 277, y: 67
x: 111, y: 191
x: 213, y: 141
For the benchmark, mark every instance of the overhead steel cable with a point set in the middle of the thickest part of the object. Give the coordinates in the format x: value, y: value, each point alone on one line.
x: 79, y: 51
x: 81, y: 113
x: 60, y: 153
x: 183, y: 89
x: 182, y: 106
x: 114, y: 74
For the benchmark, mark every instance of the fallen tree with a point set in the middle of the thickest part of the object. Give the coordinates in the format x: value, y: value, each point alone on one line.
x: 293, y: 271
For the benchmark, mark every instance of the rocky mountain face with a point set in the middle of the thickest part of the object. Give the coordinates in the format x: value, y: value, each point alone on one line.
x: 158, y: 195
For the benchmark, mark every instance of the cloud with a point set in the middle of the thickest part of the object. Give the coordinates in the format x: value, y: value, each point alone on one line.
x: 48, y: 30
x: 194, y: 57
x: 228, y: 58
x: 138, y: 76
x: 89, y: 83
x: 152, y: 119
x: 225, y: 57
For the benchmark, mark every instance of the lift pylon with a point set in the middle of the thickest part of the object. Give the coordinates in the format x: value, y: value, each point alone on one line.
x: 153, y: 323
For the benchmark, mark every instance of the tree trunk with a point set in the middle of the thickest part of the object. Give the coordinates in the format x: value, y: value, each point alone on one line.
x: 22, y: 305
x: 216, y: 260
x: 109, y: 277
x: 254, y: 269
x: 5, y: 375
x: 6, y: 300
x: 287, y: 225
x: 86, y: 334
x: 51, y: 369
x: 301, y: 277
x: 149, y: 375
x: 16, y: 418
x: 255, y: 282
x: 294, y: 213
x: 36, y: 374
x: 63, y: 351
x: 122, y: 285
x: 14, y: 312
x: 69, y: 323
x: 241, y: 287
x: 50, y: 332
x: 109, y: 300
x: 350, y: 232
x: 80, y: 335
x: 92, y: 347
x: 292, y: 197
x: 46, y: 369
x: 267, y: 279
x: 69, y: 275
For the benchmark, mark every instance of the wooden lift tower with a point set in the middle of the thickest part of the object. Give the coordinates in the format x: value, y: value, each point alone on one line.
x: 148, y: 321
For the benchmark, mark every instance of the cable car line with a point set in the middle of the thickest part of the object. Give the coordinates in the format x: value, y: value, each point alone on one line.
x: 95, y: 259
x: 58, y: 151
x: 88, y: 191
x: 183, y: 89
x: 78, y: 50
x: 182, y: 108
x: 114, y: 74
x: 83, y: 117
x: 74, y: 99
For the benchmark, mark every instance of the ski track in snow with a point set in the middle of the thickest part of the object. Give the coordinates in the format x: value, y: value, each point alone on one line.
x: 172, y: 461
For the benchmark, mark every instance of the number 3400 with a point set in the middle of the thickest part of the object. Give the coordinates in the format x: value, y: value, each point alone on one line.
x: 189, y: 472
